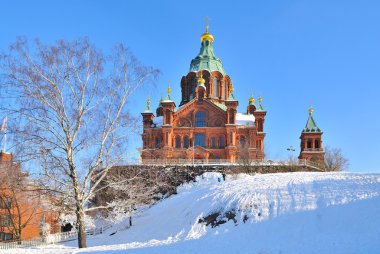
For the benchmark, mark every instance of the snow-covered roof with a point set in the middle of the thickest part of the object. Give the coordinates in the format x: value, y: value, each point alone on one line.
x: 244, y: 119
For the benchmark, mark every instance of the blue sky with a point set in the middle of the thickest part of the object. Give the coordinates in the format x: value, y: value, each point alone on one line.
x: 289, y: 52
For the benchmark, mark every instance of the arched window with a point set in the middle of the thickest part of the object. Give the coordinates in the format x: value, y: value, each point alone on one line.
x: 192, y: 88
x: 178, y: 142
x: 316, y: 145
x: 242, y: 141
x: 213, y: 142
x: 309, y: 143
x: 222, y: 142
x: 200, y: 119
x: 200, y: 140
x: 216, y: 88
x: 167, y: 116
x: 186, y: 142
x: 158, y: 142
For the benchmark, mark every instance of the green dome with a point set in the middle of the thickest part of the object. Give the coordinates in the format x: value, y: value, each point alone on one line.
x: 206, y: 60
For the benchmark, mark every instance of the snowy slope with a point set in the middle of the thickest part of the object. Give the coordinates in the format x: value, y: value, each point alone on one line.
x: 275, y: 213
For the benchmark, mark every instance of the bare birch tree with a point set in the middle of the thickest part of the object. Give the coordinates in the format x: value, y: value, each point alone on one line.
x: 72, y: 113
x: 334, y: 159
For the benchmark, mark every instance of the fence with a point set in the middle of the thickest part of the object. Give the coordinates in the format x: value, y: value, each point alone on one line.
x: 197, y: 162
x: 52, y: 238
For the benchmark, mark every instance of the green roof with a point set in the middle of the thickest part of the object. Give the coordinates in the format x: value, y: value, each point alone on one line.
x: 311, y: 125
x: 259, y: 106
x: 221, y: 106
x: 206, y: 60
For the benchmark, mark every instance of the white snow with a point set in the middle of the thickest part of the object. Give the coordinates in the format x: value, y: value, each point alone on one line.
x: 244, y: 119
x: 287, y: 213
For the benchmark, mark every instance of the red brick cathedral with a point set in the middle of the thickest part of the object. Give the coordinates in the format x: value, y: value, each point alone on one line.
x: 206, y: 124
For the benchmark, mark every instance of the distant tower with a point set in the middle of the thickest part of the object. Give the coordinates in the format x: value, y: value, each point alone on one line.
x: 311, y: 140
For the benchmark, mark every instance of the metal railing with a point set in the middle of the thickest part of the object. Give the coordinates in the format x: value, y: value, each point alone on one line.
x: 198, y: 162
x: 51, y: 238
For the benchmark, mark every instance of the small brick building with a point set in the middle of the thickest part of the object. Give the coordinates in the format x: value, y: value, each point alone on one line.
x: 206, y: 125
x: 311, y: 141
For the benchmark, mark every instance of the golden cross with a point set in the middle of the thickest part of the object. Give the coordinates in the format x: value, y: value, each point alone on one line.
x: 207, y: 20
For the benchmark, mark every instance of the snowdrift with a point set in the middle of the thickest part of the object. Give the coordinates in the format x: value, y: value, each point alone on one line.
x: 269, y: 213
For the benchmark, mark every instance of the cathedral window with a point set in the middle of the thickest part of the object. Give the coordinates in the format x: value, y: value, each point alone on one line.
x: 192, y: 88
x: 178, y: 142
x: 167, y: 117
x: 200, y: 140
x: 215, y: 88
x: 213, y: 143
x: 158, y: 142
x: 186, y: 142
x: 309, y: 144
x: 222, y: 142
x: 200, y: 119
x: 242, y: 141
x: 317, y: 144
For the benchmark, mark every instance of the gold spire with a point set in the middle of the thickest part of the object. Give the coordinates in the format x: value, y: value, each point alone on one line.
x: 251, y: 100
x: 148, y: 101
x: 311, y: 110
x: 260, y: 99
x: 169, y: 89
x: 207, y: 36
x: 231, y: 88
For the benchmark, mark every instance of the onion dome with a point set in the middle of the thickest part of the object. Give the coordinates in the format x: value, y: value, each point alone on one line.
x: 207, y: 36
x: 168, y: 97
x: 206, y: 59
x: 251, y: 101
x: 201, y: 82
x: 147, y: 108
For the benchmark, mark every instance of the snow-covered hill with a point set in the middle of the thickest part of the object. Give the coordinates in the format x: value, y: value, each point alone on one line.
x: 269, y: 213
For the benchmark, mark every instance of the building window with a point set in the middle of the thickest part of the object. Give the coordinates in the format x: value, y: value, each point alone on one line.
x: 215, y: 88
x: 5, y: 236
x: 317, y: 144
x: 5, y: 203
x: 5, y: 220
x: 200, y: 140
x: 221, y: 142
x: 213, y: 142
x: 178, y: 142
x: 186, y: 142
x: 192, y: 88
x: 309, y: 144
x: 158, y: 142
x: 167, y: 116
x: 200, y: 119
x: 242, y: 141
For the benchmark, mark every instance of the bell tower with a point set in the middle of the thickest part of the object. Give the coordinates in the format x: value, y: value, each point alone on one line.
x: 311, y: 141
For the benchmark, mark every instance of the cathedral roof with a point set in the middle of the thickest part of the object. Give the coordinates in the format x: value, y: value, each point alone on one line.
x: 311, y: 125
x: 206, y: 59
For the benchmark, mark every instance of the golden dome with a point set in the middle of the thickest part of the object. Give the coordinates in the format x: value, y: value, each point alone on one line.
x: 201, y: 79
x: 260, y: 99
x: 148, y: 102
x: 207, y: 36
x: 169, y: 89
x: 251, y: 100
